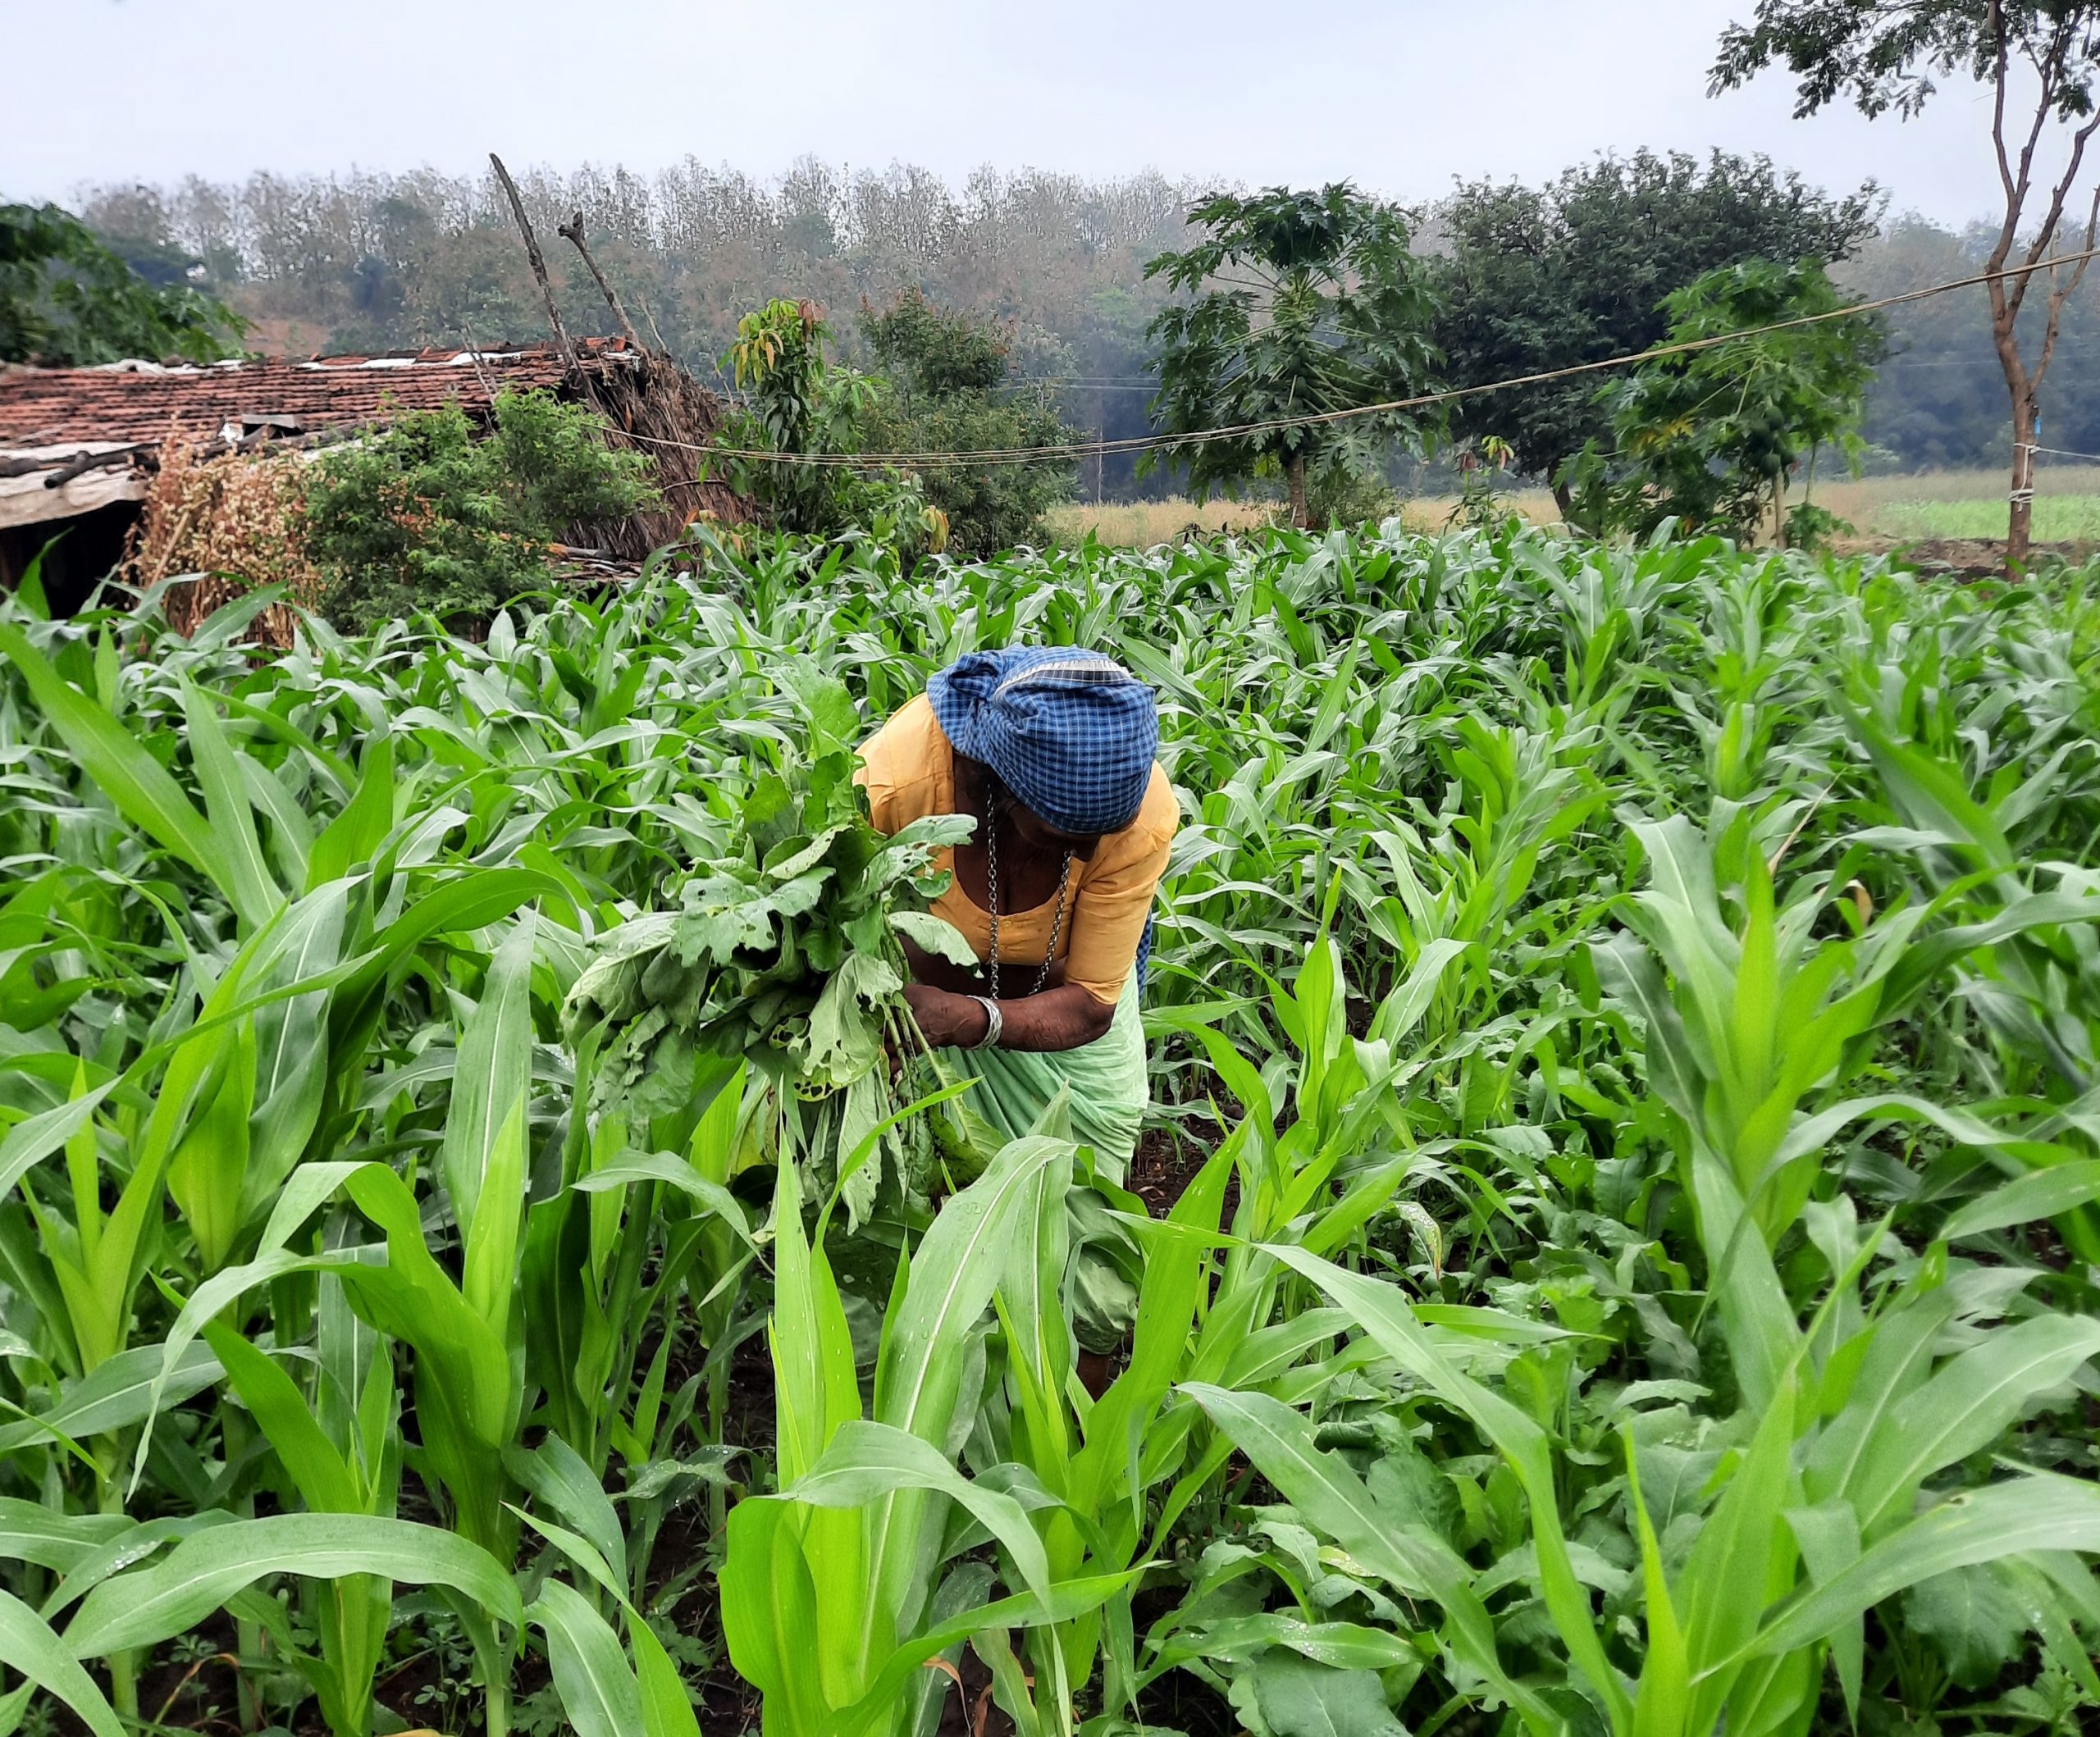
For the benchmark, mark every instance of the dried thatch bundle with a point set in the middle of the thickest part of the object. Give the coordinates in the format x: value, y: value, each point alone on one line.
x: 659, y: 409
x: 231, y: 519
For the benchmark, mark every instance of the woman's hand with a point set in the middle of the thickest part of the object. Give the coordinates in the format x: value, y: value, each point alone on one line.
x: 950, y: 1021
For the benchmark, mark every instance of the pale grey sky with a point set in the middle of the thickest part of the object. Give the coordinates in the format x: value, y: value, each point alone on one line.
x: 1399, y: 96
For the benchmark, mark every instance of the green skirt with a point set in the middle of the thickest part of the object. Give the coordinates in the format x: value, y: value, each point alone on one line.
x: 1095, y: 1097
x: 1099, y: 1089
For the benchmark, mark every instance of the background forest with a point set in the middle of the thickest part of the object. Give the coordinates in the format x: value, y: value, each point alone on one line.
x: 362, y: 262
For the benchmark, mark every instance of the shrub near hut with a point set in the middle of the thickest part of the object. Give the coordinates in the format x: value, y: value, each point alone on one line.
x: 955, y: 390
x: 427, y: 518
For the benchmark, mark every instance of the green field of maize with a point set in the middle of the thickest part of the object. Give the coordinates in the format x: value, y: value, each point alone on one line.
x: 1617, y: 1256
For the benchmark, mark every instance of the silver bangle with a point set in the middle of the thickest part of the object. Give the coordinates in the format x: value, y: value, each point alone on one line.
x: 995, y: 1022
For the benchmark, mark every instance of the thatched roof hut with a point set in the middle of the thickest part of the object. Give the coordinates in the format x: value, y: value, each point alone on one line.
x: 78, y: 446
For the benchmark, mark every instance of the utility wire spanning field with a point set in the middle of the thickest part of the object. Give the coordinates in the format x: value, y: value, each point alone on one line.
x: 1079, y: 450
x: 1627, y: 1018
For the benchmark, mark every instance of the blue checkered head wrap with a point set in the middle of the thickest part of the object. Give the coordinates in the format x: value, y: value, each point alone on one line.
x: 1072, y: 734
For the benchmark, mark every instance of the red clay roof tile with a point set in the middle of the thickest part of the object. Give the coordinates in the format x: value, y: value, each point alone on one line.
x: 138, y: 402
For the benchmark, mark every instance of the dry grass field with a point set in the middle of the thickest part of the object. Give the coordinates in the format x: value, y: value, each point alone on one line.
x: 1967, y: 504
x: 1141, y: 524
x: 1936, y: 506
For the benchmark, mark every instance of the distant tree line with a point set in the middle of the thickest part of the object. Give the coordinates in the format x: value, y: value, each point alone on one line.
x: 1577, y: 268
x: 373, y: 261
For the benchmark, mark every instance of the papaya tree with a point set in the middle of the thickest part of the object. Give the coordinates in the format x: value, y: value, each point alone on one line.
x: 1712, y: 435
x: 1301, y: 304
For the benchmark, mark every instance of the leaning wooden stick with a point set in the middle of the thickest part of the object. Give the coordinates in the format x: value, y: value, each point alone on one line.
x: 572, y: 232
x: 539, y: 265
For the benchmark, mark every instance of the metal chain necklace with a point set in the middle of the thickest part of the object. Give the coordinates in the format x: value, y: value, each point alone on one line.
x: 991, y: 893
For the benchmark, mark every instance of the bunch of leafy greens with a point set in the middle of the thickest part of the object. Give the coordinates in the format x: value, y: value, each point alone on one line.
x: 783, y: 954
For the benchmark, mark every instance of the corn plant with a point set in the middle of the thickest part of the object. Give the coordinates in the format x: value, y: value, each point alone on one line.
x: 836, y: 1592
x: 1623, y: 1016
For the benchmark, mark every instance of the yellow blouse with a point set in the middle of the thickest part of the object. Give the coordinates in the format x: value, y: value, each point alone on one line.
x: 908, y: 770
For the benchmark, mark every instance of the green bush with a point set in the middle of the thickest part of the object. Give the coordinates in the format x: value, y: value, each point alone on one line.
x: 801, y: 403
x: 428, y: 518
x: 953, y: 392
x: 1349, y: 499
x: 1710, y: 436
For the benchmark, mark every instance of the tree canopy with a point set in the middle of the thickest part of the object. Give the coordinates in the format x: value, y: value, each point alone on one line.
x: 1889, y: 54
x: 1302, y: 304
x: 1540, y: 278
x: 65, y: 299
x: 1710, y: 436
x: 2038, y: 59
x: 366, y: 261
x: 951, y: 389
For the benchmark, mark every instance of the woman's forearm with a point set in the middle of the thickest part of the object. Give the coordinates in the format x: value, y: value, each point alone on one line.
x: 1065, y: 1018
x: 1060, y: 1018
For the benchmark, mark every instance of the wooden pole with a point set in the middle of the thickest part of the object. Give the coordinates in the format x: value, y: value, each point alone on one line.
x: 80, y: 463
x: 474, y: 355
x: 539, y: 265
x: 572, y: 232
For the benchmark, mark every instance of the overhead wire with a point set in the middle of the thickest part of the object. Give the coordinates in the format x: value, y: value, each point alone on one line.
x: 1079, y: 449
x: 2056, y: 452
